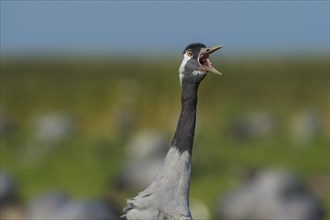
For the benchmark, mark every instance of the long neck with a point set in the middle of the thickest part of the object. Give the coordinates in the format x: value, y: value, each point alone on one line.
x: 184, y: 135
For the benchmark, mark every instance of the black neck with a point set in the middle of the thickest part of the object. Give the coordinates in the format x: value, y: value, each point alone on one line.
x: 184, y: 135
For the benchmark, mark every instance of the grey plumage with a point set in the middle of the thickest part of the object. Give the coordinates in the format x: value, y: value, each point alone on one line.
x: 167, y: 197
x: 171, y: 184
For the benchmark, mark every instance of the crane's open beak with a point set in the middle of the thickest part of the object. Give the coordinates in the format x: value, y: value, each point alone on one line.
x: 204, y: 61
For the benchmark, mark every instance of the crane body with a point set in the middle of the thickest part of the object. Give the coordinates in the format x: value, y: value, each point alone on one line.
x: 167, y: 197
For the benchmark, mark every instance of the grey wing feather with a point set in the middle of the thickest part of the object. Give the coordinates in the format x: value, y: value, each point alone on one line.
x: 141, y: 201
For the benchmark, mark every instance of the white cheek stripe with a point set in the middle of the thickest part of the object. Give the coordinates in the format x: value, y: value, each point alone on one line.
x: 196, y: 72
x: 183, y: 64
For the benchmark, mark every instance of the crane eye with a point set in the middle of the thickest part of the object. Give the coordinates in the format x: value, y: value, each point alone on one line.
x: 189, y: 53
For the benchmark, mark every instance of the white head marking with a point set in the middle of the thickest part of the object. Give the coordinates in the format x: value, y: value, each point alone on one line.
x: 197, y: 72
x: 183, y: 64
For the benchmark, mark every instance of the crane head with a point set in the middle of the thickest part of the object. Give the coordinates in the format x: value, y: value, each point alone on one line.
x: 196, y: 63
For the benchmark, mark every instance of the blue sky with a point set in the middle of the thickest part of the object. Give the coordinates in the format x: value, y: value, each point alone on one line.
x: 163, y: 26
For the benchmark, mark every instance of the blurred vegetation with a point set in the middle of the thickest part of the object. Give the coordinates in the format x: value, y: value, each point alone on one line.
x: 96, y: 91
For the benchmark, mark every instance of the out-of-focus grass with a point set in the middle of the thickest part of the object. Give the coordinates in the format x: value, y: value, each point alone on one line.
x: 93, y: 91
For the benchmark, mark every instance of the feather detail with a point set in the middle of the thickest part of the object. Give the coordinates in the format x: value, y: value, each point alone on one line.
x: 170, y: 184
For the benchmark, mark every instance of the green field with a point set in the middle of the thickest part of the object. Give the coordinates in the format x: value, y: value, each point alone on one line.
x: 95, y: 91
